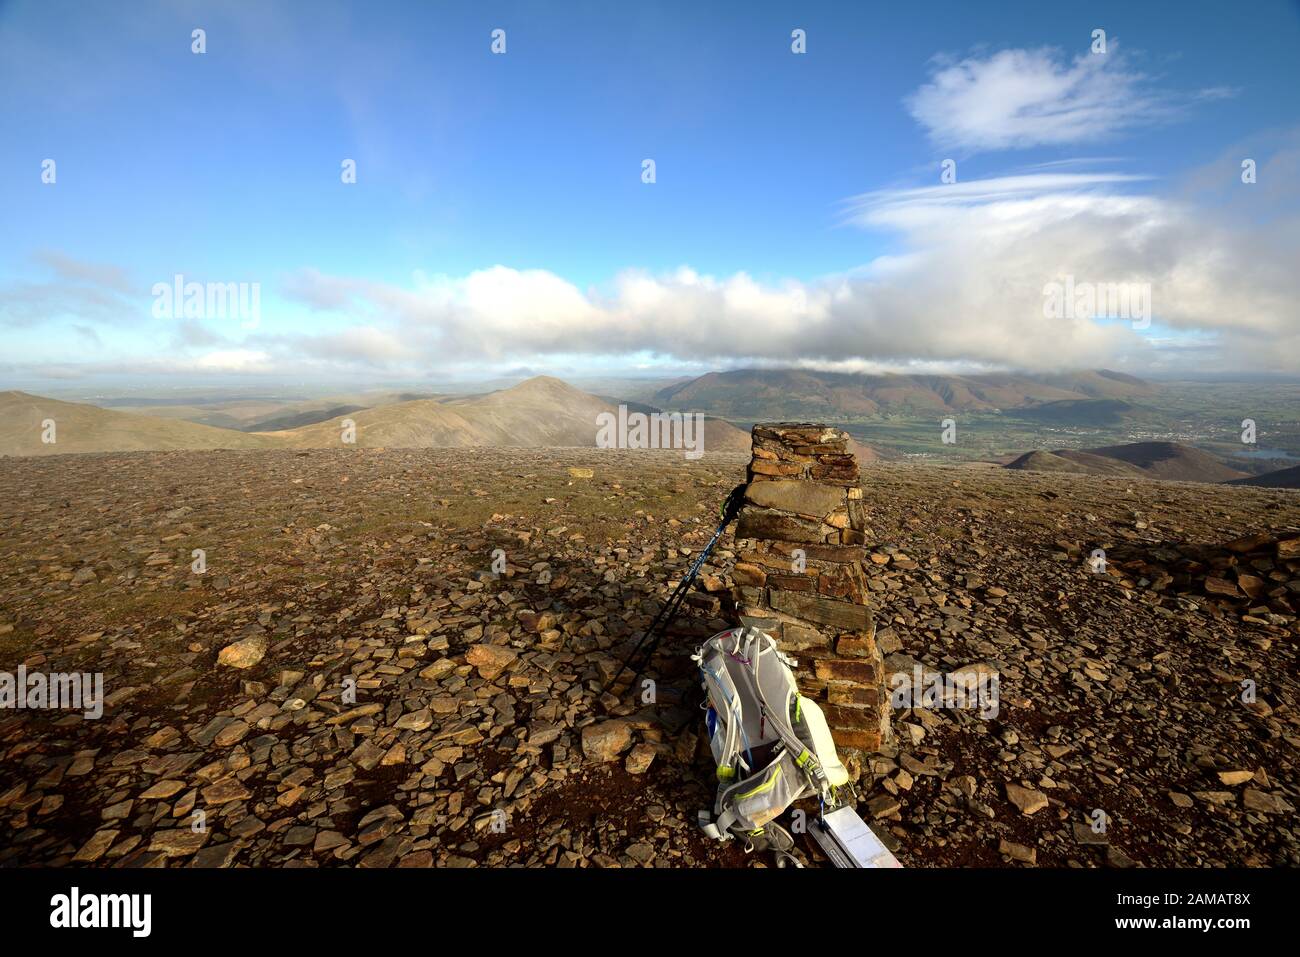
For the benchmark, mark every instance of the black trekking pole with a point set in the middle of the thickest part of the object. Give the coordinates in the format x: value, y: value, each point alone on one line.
x: 642, y: 652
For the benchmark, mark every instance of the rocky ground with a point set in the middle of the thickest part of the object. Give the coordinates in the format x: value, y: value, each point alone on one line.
x: 392, y: 658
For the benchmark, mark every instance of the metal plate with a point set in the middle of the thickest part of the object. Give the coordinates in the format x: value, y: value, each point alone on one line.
x: 849, y: 842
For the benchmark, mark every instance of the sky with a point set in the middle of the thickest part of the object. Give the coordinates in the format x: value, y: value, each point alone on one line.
x: 910, y: 192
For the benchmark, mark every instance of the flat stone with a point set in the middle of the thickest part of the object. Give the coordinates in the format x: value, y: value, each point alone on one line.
x: 1254, y: 800
x: 163, y: 789
x: 809, y: 499
x: 1027, y: 800
x: 299, y: 836
x: 216, y: 855
x: 491, y: 660
x: 226, y: 791
x: 328, y: 840
x: 438, y: 670
x: 352, y: 714
x: 94, y: 848
x: 606, y: 740
x: 771, y: 524
x: 232, y: 733
x: 1236, y: 777
x: 883, y: 805
x: 243, y: 654
x: 178, y: 842
x: 415, y: 720
x: 640, y: 758
x: 824, y: 611
x: 1018, y: 852
x: 367, y: 755
x: 1084, y: 834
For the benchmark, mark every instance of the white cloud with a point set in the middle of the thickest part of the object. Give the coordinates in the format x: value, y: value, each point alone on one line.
x: 963, y: 287
x: 987, y: 248
x: 1021, y: 98
x: 234, y: 360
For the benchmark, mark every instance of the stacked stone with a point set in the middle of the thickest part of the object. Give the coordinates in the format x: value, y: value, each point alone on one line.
x: 800, y: 574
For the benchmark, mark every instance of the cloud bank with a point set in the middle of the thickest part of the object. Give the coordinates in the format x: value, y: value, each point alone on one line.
x: 966, y: 285
x: 963, y: 286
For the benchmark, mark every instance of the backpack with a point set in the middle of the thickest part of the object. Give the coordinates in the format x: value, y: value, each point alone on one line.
x: 771, y: 745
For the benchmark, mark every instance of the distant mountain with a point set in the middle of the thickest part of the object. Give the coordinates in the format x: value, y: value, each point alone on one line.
x: 542, y: 411
x: 88, y: 428
x: 259, y: 414
x: 1097, y: 383
x: 790, y: 394
x: 538, y: 412
x: 1157, y: 460
x: 1080, y: 412
x: 1072, y: 460
x: 1282, y: 478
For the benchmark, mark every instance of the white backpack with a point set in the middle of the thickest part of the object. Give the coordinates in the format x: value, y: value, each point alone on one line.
x: 771, y: 745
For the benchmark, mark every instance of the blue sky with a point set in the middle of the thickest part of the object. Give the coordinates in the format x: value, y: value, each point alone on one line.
x: 499, y: 218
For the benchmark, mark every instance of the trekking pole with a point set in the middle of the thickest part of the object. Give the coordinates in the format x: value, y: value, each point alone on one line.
x: 730, y: 508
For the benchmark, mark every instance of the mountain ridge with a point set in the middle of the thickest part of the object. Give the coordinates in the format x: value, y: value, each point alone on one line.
x: 1171, y: 461
x: 767, y: 394
x: 539, y: 412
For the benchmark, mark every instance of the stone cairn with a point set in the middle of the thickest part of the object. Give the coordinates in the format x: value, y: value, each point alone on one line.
x: 800, y: 575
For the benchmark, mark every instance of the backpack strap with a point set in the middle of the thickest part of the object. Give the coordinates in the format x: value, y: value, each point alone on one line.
x: 756, y: 646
